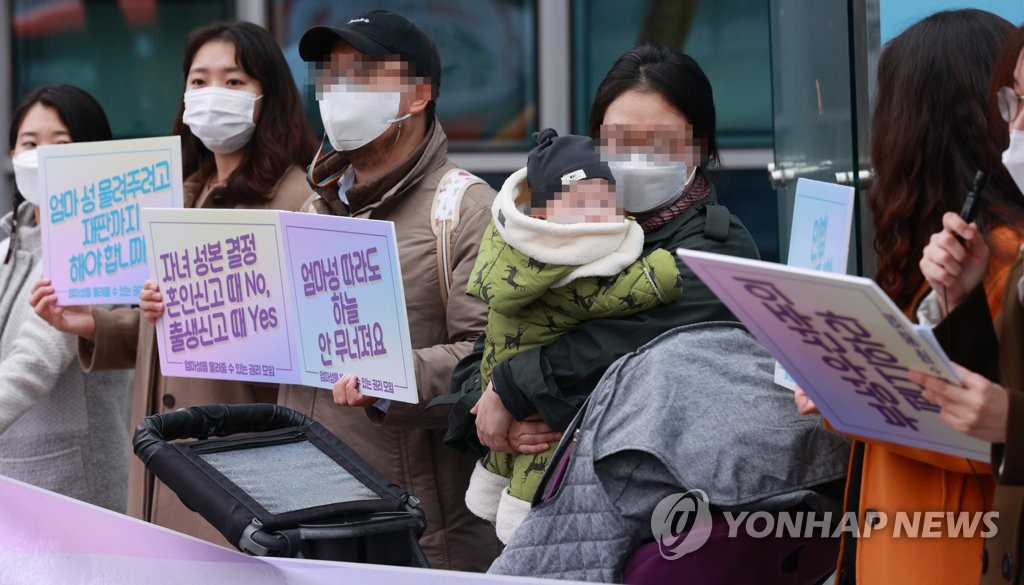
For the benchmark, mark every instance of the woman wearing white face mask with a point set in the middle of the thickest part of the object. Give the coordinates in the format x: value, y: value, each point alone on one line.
x: 655, y: 116
x: 928, y: 141
x: 245, y: 142
x: 978, y: 406
x: 60, y: 428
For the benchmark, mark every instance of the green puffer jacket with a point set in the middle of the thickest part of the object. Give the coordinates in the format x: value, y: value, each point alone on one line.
x: 526, y: 309
x: 556, y: 378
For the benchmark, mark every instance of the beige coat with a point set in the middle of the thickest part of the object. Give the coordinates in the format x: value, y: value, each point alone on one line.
x: 408, y: 448
x: 124, y: 340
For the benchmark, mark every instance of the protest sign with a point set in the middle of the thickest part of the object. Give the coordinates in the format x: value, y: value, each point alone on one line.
x: 819, y: 236
x: 846, y: 344
x: 50, y: 538
x: 91, y: 194
x: 280, y: 297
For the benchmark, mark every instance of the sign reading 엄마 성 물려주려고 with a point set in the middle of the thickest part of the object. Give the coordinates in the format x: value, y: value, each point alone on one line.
x: 91, y: 197
x: 281, y: 297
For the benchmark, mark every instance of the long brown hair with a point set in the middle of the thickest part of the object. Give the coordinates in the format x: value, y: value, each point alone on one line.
x: 282, y: 137
x: 930, y: 135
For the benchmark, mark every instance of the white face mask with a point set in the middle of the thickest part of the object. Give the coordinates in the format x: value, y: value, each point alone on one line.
x: 354, y: 118
x: 646, y: 184
x: 1013, y: 158
x: 26, y: 174
x: 221, y: 118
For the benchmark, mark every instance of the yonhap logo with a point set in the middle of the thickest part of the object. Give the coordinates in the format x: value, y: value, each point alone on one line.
x: 681, y: 523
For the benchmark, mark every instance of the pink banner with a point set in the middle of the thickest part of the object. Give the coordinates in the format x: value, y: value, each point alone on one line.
x: 47, y: 538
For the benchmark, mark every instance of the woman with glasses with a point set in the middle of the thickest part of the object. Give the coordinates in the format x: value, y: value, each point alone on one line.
x: 929, y: 139
x: 953, y: 267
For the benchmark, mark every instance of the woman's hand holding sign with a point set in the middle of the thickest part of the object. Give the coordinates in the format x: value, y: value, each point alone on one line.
x: 76, y: 320
x: 976, y: 407
x: 804, y: 404
x: 151, y: 301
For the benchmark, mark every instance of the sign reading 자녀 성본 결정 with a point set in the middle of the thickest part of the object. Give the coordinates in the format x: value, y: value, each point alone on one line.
x: 281, y: 297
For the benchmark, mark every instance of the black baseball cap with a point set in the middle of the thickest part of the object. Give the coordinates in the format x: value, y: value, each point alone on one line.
x: 558, y: 160
x: 378, y: 32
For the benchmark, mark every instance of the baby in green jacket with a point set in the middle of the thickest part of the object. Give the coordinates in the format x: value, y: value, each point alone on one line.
x: 558, y: 252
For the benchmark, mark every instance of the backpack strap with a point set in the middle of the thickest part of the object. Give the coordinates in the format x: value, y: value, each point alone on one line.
x: 444, y: 219
x: 716, y: 223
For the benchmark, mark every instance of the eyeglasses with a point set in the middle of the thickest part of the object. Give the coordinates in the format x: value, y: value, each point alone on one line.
x: 1008, y: 100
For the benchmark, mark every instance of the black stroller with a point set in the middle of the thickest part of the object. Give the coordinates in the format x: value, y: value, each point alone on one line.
x: 284, y: 487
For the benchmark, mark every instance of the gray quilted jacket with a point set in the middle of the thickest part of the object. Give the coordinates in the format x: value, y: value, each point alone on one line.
x: 694, y: 409
x: 60, y: 429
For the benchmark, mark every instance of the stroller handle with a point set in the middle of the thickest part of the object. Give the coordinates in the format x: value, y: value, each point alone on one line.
x: 211, y: 420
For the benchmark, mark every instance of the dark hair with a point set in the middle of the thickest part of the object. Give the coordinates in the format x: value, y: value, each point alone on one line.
x: 79, y: 111
x: 282, y: 137
x: 673, y: 75
x: 929, y: 138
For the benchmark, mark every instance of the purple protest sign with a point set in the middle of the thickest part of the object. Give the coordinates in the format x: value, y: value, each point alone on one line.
x: 846, y: 344
x: 92, y: 194
x: 281, y: 297
x: 223, y: 277
x: 350, y: 304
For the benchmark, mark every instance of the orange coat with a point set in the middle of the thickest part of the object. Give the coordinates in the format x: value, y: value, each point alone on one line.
x: 906, y: 479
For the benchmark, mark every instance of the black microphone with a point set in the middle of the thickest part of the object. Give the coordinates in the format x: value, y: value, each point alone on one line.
x: 973, y: 201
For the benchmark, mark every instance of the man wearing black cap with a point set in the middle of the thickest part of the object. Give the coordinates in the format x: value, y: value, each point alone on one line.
x: 378, y: 76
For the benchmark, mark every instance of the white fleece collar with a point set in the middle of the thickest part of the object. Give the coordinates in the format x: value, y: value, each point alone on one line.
x: 598, y: 249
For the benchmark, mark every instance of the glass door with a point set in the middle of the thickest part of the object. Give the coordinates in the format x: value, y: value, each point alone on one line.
x: 820, y: 98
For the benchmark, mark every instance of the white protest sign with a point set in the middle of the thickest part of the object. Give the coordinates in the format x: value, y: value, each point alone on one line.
x: 280, y: 297
x: 91, y: 194
x: 846, y: 344
x: 819, y: 236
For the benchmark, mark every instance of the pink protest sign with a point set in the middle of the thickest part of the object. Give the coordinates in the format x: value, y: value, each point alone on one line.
x: 279, y: 297
x: 846, y: 344
x: 48, y: 538
x: 91, y: 196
